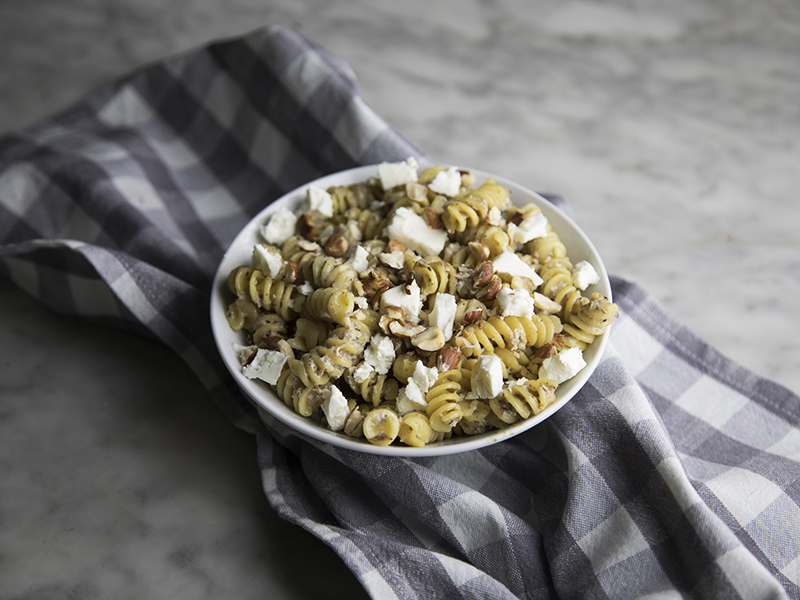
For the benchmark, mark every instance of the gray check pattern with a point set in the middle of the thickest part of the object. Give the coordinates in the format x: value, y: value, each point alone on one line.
x: 675, y: 473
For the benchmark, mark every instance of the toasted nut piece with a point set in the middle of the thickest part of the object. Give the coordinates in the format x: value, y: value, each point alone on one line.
x: 374, y: 283
x: 392, y: 314
x: 429, y: 340
x: 271, y: 342
x: 405, y: 331
x: 432, y: 218
x: 473, y: 316
x: 306, y: 226
x: 416, y: 191
x: 393, y: 260
x: 308, y: 246
x: 545, y: 351
x: 488, y: 293
x: 394, y: 245
x: 516, y: 218
x: 480, y: 251
x: 375, y: 299
x: 448, y: 358
x: 545, y: 305
x: 292, y: 271
x: 483, y: 274
x: 337, y: 245
x: 467, y: 178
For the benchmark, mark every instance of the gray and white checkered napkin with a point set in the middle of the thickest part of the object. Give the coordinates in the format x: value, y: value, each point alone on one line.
x: 674, y: 473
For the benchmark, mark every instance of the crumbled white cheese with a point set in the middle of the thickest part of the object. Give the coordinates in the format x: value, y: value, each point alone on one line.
x: 306, y: 288
x: 494, y: 217
x: 394, y: 174
x: 380, y: 353
x: 533, y: 226
x: 584, y: 275
x: 394, y: 259
x: 335, y: 409
x: 362, y: 372
x: 509, y: 263
x: 267, y: 259
x: 361, y: 302
x: 243, y: 352
x: 545, y: 305
x: 423, y: 376
x: 319, y: 200
x: 562, y: 366
x: 360, y: 259
x: 487, y: 376
x: 266, y: 366
x: 413, y: 231
x: 443, y: 314
x: 515, y: 303
x: 447, y: 182
x: 407, y: 297
x: 280, y: 227
x: 410, y: 398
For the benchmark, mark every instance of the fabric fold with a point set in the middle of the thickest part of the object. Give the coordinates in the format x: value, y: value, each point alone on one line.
x: 674, y: 472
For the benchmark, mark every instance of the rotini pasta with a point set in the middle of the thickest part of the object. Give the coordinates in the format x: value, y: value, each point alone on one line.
x: 453, y: 353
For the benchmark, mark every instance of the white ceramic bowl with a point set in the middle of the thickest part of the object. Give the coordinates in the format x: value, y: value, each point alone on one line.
x: 240, y: 252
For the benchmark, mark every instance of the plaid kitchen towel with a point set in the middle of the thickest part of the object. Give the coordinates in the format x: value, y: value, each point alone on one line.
x: 673, y: 473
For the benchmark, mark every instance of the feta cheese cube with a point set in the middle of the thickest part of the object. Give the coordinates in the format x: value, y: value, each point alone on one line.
x: 447, y: 182
x: 380, y: 353
x: 564, y: 365
x: 413, y: 231
x: 423, y: 376
x: 319, y: 200
x: 410, y: 398
x: 335, y: 409
x: 360, y: 259
x: 487, y: 376
x: 362, y: 372
x: 266, y: 366
x: 533, y: 226
x: 243, y: 353
x: 399, y: 173
x: 584, y: 275
x: 515, y: 303
x: 268, y: 259
x: 280, y: 227
x: 509, y: 263
x: 443, y: 314
x: 407, y: 297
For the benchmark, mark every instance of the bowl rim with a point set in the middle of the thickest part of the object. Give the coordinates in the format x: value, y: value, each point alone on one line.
x: 579, y: 247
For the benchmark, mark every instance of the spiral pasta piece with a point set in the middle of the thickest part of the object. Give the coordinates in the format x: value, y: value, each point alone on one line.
x: 332, y: 359
x: 326, y: 271
x: 433, y: 275
x: 514, y: 333
x: 304, y: 400
x: 592, y: 319
x: 330, y: 304
x: 277, y: 296
x: 521, y: 400
x: 443, y: 409
x: 268, y: 325
x: 375, y: 388
x: 241, y: 314
x: 558, y: 285
x: 415, y: 430
x: 381, y: 426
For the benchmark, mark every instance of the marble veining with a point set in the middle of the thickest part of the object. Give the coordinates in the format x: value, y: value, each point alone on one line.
x: 672, y: 130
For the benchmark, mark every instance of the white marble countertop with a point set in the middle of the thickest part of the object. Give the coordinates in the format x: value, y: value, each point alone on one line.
x: 674, y: 132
